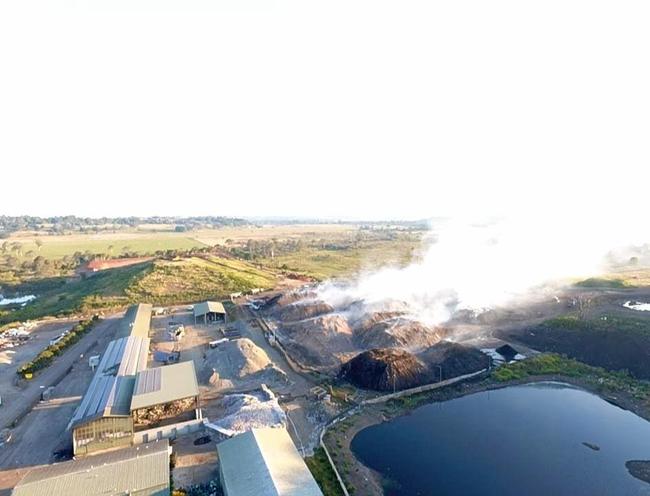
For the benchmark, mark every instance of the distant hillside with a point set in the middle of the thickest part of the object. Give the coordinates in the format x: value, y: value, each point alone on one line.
x: 160, y: 282
x: 193, y: 279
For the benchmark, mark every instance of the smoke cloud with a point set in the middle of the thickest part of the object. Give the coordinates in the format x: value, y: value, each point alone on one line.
x: 476, y: 265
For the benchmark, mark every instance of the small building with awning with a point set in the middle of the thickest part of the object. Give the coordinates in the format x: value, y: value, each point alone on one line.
x: 209, y: 312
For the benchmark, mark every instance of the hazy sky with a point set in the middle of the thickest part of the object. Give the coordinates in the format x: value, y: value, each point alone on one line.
x: 331, y: 109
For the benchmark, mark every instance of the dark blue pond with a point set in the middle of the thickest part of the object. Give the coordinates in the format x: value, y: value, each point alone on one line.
x: 522, y: 440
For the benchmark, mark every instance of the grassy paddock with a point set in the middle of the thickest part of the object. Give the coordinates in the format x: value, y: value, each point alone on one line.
x: 322, y: 264
x: 54, y: 247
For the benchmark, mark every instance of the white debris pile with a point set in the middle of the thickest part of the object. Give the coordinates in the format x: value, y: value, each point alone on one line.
x: 637, y: 305
x: 22, y: 300
x: 243, y: 412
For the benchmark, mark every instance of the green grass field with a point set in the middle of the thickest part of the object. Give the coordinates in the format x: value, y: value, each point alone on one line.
x: 322, y: 263
x: 112, y: 244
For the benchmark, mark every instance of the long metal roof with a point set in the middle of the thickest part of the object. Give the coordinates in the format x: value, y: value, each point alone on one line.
x: 264, y: 462
x: 208, y: 307
x: 136, y: 321
x: 142, y: 469
x: 164, y: 384
x: 110, y: 391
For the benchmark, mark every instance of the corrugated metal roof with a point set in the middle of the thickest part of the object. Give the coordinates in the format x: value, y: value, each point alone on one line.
x: 136, y: 321
x: 164, y: 384
x: 264, y: 462
x: 143, y: 468
x: 201, y: 309
x: 110, y: 391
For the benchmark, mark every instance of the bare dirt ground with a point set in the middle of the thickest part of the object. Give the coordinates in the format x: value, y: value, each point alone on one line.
x: 12, y: 358
x: 195, y: 463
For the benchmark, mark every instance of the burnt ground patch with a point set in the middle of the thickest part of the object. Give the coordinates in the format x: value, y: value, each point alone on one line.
x: 611, y: 341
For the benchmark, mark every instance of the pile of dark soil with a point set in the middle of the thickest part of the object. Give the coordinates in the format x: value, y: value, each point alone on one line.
x: 385, y: 369
x: 454, y: 358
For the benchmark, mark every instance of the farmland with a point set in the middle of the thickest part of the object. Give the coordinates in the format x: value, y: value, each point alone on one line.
x: 323, y: 263
x: 113, y: 244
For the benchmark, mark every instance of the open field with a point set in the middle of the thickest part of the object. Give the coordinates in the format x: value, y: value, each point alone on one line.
x: 151, y: 238
x: 104, y: 243
x: 323, y: 263
x: 627, y: 277
x: 268, y: 232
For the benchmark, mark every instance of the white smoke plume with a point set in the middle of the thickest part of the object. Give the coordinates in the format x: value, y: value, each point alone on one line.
x: 479, y: 265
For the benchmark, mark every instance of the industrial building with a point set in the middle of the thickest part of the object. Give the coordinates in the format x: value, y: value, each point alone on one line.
x: 137, y: 471
x: 209, y: 311
x: 264, y: 462
x: 125, y: 397
x: 136, y: 321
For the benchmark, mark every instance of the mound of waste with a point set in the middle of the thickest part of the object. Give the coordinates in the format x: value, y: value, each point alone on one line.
x: 318, y: 342
x: 235, y: 363
x: 380, y: 330
x: 318, y: 336
x: 385, y: 369
x: 388, y: 369
x: 455, y: 359
x: 243, y: 412
x: 304, y: 310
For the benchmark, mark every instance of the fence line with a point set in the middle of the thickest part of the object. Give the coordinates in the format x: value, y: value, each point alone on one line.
x: 421, y: 389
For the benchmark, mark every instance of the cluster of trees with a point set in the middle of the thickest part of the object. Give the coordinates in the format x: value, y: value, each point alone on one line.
x: 72, y: 223
x: 17, y: 264
x: 45, y: 357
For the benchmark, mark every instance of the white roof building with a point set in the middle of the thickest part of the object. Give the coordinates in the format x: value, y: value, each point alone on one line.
x: 264, y: 462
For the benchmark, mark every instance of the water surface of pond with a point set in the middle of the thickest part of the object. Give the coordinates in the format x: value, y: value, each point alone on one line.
x: 538, y: 439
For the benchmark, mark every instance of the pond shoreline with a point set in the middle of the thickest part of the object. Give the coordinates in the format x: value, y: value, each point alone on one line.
x: 365, y: 481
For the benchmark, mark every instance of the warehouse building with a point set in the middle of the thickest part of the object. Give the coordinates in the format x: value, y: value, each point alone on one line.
x: 103, y: 418
x: 137, y: 471
x: 124, y: 397
x: 165, y: 392
x: 209, y: 312
x: 264, y: 462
